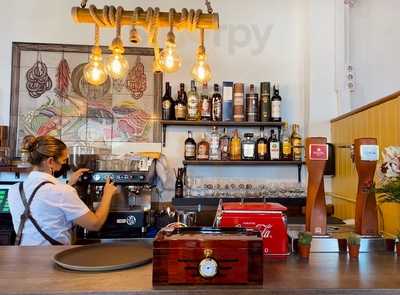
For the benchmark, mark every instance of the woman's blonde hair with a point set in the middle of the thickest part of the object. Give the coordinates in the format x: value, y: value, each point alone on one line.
x: 43, y: 147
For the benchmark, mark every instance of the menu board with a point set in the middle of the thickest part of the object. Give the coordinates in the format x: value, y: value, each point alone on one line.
x: 4, y: 208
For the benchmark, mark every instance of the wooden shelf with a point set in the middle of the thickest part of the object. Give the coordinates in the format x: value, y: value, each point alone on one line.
x: 221, y: 123
x: 239, y: 163
x: 15, y: 169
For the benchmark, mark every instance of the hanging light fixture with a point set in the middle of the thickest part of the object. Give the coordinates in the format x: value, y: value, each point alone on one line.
x: 201, y: 71
x: 95, y: 72
x: 117, y: 65
x: 170, y: 61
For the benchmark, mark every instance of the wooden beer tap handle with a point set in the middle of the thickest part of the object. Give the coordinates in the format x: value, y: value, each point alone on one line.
x: 366, y: 216
x: 316, y: 157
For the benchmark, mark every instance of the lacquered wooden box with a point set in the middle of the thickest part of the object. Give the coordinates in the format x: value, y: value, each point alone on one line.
x: 208, y: 256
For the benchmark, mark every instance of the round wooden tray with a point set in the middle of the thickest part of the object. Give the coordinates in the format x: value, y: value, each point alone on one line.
x: 105, y: 257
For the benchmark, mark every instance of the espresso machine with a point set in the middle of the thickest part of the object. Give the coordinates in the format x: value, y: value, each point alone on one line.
x: 130, y: 210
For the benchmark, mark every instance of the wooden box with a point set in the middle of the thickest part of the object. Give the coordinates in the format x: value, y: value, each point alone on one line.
x: 208, y: 256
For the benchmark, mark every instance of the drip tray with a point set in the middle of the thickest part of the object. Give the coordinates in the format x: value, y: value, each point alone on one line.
x: 105, y: 257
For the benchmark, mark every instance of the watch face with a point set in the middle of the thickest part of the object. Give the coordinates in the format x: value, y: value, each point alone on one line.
x: 208, y: 268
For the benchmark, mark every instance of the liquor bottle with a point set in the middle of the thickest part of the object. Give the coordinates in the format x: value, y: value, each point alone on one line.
x: 238, y: 102
x: 227, y: 101
x: 236, y: 147
x: 190, y: 147
x: 205, y: 102
x: 180, y: 105
x: 193, y: 105
x: 274, y: 147
x: 215, y: 151
x: 248, y: 147
x: 216, y: 104
x: 167, y: 104
x: 276, y: 101
x: 203, y: 148
x: 224, y: 144
x: 252, y: 105
x: 286, y: 143
x: 179, y: 184
x: 262, y: 143
x: 296, y: 143
x: 265, y: 101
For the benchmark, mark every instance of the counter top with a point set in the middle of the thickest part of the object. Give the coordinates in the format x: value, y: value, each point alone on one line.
x: 30, y: 270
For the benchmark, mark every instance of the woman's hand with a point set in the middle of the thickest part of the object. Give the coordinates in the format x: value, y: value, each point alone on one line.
x: 75, y: 176
x: 109, y: 188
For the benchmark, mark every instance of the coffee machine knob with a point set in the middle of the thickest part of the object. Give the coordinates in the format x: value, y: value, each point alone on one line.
x: 96, y: 177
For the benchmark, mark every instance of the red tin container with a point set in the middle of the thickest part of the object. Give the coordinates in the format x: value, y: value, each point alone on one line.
x: 268, y: 218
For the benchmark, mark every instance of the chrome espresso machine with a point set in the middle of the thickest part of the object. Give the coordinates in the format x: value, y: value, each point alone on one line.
x: 130, y: 212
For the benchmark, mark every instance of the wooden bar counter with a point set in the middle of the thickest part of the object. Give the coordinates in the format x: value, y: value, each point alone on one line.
x: 30, y: 270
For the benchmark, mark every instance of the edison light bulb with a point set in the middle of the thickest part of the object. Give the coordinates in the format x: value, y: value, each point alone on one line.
x: 95, y: 72
x: 201, y: 71
x: 170, y: 60
x: 117, y: 66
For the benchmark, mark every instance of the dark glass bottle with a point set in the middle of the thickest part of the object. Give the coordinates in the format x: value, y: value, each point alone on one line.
x: 179, y: 184
x: 216, y: 104
x: 274, y: 147
x: 262, y: 144
x: 206, y: 104
x: 167, y: 104
x: 190, y: 147
x: 224, y: 144
x: 265, y: 101
x: 181, y: 104
x: 276, y: 101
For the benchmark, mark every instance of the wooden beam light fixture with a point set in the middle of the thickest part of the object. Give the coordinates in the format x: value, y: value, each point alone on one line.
x: 151, y: 20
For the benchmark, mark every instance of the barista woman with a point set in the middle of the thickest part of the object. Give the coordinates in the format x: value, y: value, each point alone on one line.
x: 43, y: 209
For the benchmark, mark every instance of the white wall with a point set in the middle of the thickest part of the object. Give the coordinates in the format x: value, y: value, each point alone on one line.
x: 291, y: 41
x: 375, y: 47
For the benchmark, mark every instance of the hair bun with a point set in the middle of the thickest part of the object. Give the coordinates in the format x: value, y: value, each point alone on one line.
x: 29, y: 143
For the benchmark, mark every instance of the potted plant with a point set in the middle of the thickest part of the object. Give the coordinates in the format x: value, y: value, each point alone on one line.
x: 353, y: 242
x: 304, y: 244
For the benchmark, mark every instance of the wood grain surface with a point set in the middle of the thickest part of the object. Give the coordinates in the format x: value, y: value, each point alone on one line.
x: 30, y: 270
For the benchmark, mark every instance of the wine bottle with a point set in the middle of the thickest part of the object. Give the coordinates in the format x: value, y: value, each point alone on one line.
x: 167, y: 104
x: 190, y: 147
x: 276, y: 101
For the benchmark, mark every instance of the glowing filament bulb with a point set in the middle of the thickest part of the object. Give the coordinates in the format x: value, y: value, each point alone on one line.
x: 95, y: 72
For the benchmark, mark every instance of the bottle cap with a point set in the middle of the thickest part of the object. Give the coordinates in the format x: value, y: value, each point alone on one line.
x: 238, y: 87
x: 265, y: 87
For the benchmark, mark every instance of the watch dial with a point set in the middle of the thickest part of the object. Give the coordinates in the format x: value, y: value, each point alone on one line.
x: 208, y: 268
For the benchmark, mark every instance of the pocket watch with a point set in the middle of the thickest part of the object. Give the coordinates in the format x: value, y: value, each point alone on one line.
x: 208, y: 267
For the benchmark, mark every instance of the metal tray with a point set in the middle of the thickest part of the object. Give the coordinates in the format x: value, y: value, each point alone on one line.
x: 105, y: 257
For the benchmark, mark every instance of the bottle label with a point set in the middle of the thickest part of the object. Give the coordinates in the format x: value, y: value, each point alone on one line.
x: 190, y: 150
x: 248, y: 150
x: 180, y: 111
x: 264, y: 108
x: 274, y: 150
x: 261, y: 149
x: 202, y: 152
x: 238, y: 106
x: 276, y: 109
x: 217, y: 110
x: 286, y: 148
x: 205, y: 108
x: 166, y: 104
x: 235, y: 149
x: 296, y: 149
x: 192, y: 106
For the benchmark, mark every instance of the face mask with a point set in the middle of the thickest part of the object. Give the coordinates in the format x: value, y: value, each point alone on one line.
x: 63, y: 171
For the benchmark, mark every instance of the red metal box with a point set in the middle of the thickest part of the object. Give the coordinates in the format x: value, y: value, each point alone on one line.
x: 208, y: 256
x: 268, y: 218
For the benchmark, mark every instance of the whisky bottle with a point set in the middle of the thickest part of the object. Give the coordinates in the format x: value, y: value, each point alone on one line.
x: 167, y: 104
x: 274, y: 147
x: 248, y: 147
x: 205, y: 102
x: 193, y: 105
x: 265, y: 101
x: 276, y: 101
x: 203, y: 148
x: 236, y: 147
x: 224, y: 144
x: 216, y: 104
x: 190, y: 147
x: 252, y: 105
x: 296, y: 143
x: 238, y: 102
x: 286, y: 143
x: 180, y: 105
x: 262, y: 143
x: 215, y: 151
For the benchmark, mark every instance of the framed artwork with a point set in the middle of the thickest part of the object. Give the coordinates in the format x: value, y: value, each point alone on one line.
x: 49, y: 96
